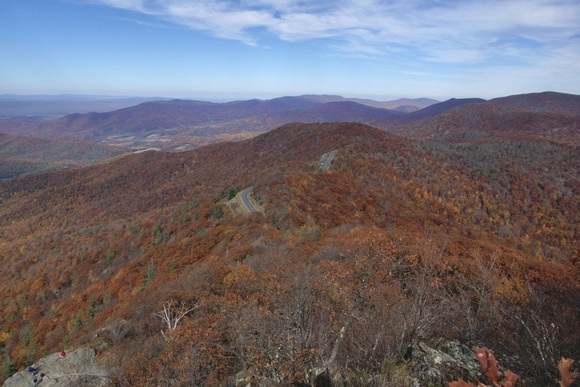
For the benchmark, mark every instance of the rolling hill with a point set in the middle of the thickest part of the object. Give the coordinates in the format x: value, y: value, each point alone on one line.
x: 144, y: 118
x: 404, y: 250
x: 485, y: 121
x: 177, y: 123
x: 328, y: 112
x: 171, y: 125
x: 20, y: 155
x: 546, y: 102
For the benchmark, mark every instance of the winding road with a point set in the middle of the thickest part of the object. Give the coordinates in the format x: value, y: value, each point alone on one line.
x: 246, y: 203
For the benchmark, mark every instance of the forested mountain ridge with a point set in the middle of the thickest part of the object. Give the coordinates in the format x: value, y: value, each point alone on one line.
x: 182, y: 124
x: 493, y: 119
x: 388, y: 123
x: 400, y: 247
x: 546, y: 102
x: 155, y: 115
x: 176, y: 125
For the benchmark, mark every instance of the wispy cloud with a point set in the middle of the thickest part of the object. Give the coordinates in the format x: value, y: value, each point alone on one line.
x: 468, y: 32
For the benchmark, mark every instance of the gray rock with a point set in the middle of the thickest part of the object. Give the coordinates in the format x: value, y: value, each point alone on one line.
x: 77, y: 368
x: 449, y: 361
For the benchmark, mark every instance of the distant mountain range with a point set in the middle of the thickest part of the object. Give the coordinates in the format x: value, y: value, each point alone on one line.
x: 31, y: 142
x: 405, y: 105
x: 176, y: 125
x: 50, y: 107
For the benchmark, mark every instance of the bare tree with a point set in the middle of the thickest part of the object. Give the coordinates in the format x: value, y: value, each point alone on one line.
x: 171, y: 316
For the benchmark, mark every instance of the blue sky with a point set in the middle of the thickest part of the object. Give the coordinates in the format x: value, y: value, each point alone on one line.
x: 241, y: 49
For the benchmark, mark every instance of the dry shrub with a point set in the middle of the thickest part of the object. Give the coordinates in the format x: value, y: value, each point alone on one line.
x: 117, y: 329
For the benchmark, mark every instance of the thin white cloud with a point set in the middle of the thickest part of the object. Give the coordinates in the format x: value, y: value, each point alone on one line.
x: 443, y: 31
x: 458, y: 56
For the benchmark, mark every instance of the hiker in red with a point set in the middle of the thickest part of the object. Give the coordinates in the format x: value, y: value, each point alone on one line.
x: 62, y: 354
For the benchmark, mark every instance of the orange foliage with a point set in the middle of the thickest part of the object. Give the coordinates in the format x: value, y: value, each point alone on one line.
x: 401, y: 244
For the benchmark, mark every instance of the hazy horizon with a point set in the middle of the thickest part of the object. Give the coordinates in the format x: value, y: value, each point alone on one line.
x: 80, y: 97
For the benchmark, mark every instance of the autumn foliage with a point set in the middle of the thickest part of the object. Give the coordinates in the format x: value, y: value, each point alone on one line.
x: 508, y: 378
x: 361, y: 275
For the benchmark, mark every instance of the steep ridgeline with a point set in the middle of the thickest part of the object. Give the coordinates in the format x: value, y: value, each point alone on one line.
x: 401, y: 250
x: 543, y: 117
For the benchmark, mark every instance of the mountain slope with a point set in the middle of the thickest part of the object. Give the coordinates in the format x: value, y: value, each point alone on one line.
x: 388, y: 123
x: 328, y: 112
x: 20, y: 155
x: 343, y: 265
x: 488, y: 120
x: 546, y: 102
x: 146, y: 117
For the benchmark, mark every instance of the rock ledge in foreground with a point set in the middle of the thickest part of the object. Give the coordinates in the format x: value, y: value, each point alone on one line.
x: 78, y: 368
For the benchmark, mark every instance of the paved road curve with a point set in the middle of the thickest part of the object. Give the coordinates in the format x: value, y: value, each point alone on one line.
x: 246, y: 201
x: 326, y: 159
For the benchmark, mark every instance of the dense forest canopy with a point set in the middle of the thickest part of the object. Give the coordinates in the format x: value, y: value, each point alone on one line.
x: 359, y: 274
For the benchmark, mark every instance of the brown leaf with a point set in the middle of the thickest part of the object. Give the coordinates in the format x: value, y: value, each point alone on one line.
x: 509, y: 379
x: 460, y: 383
x: 488, y: 363
x: 567, y: 376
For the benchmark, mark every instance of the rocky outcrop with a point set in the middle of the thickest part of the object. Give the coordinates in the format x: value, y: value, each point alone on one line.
x: 450, y: 360
x: 77, y: 368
